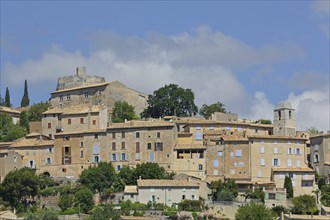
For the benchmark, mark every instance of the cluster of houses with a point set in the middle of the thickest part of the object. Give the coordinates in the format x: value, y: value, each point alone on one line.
x: 77, y: 132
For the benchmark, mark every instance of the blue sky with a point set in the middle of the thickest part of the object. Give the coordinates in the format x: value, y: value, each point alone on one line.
x: 247, y: 54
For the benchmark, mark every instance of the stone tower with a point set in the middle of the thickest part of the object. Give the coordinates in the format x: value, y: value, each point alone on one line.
x: 284, y: 119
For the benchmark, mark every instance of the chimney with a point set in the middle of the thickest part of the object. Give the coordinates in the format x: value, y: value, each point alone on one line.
x: 81, y: 71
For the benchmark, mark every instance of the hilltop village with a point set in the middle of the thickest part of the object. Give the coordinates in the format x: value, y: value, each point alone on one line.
x: 77, y: 133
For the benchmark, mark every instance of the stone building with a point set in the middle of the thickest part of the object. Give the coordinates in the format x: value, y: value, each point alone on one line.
x: 320, y: 155
x: 84, y: 89
x: 9, y: 160
x: 15, y: 114
x: 284, y: 120
x: 167, y: 192
x: 37, y: 151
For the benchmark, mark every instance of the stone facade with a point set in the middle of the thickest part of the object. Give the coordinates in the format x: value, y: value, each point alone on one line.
x: 95, y: 92
x: 9, y: 161
x: 167, y: 192
x: 320, y: 155
x: 284, y: 120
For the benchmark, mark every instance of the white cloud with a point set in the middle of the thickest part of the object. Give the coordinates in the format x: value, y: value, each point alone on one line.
x: 202, y: 60
x: 261, y: 108
x: 312, y: 108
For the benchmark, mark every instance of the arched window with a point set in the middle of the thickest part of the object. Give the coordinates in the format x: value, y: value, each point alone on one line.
x: 200, y: 167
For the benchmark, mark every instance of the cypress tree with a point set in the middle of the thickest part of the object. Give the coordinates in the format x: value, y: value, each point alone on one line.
x: 288, y: 186
x: 25, y: 99
x: 7, y: 98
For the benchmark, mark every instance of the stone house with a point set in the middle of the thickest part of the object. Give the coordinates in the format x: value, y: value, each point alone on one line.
x: 167, y: 192
x: 320, y: 154
x: 37, y: 151
x: 15, y: 114
x: 9, y: 160
x: 85, y: 89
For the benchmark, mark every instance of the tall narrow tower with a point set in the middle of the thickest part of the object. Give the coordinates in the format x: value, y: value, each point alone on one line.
x: 284, y: 119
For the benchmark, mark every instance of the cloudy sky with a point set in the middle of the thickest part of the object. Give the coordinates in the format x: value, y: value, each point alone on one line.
x: 248, y: 55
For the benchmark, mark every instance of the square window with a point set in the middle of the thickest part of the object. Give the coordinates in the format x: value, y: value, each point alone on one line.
x: 69, y: 121
x: 113, y: 135
x: 137, y: 134
x: 219, y: 153
x: 81, y: 120
x: 149, y: 146
x: 158, y: 134
x: 123, y: 134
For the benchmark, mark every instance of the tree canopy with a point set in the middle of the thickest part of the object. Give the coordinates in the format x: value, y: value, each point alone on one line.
x: 98, y: 178
x: 25, y: 99
x: 207, y: 110
x: 121, y: 111
x: 8, y: 130
x: 304, y: 204
x: 171, y: 100
x: 18, y: 186
x: 83, y: 199
x: 288, y: 186
x: 225, y: 191
x: 7, y: 98
x: 254, y: 211
x: 265, y: 121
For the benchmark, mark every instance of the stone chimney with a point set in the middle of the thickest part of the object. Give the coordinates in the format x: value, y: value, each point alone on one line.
x: 81, y: 71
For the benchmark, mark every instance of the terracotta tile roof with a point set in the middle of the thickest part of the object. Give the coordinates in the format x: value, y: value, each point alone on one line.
x: 9, y: 110
x: 161, y: 182
x: 32, y: 142
x: 81, y: 132
x: 302, y: 169
x: 189, y: 146
x: 81, y: 87
x: 275, y: 137
x: 321, y: 135
x: 141, y: 124
x: 233, y: 138
x: 130, y: 189
x: 77, y: 109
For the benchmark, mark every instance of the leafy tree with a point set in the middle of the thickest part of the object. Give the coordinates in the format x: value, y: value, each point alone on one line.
x: 122, y: 110
x: 313, y: 130
x: 36, y: 110
x: 9, y: 131
x: 207, y: 110
x: 7, y: 98
x: 288, y: 186
x: 304, y: 204
x: 105, y: 211
x: 151, y: 171
x: 321, y: 182
x: 18, y: 186
x: 98, y: 178
x: 254, y: 211
x: 325, y: 195
x: 24, y: 120
x: 45, y: 181
x: 14, y: 133
x: 265, y: 121
x: 65, y: 201
x: 170, y: 100
x: 83, y: 199
x: 279, y: 209
x: 47, y: 214
x: 190, y: 205
x: 256, y: 194
x: 127, y: 174
x: 25, y: 99
x: 227, y: 186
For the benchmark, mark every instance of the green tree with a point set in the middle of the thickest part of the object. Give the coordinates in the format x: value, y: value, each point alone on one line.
x: 14, y: 133
x: 47, y: 214
x: 190, y: 205
x: 304, y: 204
x: 66, y: 201
x: 2, y: 102
x: 25, y: 99
x: 36, y: 110
x: 7, y: 98
x: 18, y: 186
x: 256, y: 194
x: 170, y: 100
x: 279, y: 209
x: 45, y: 181
x: 207, y: 110
x: 151, y: 171
x: 325, y: 195
x: 254, y: 211
x: 83, y: 199
x: 127, y: 174
x: 24, y: 120
x: 222, y: 190
x: 321, y: 182
x: 9, y: 131
x: 265, y: 121
x: 313, y: 130
x: 105, y: 211
x: 122, y: 110
x: 98, y: 178
x: 288, y: 186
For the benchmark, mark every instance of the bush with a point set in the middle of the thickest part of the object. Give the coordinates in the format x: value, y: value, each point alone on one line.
x: 65, y: 202
x: 190, y: 205
x: 43, y: 215
x: 304, y: 204
x: 83, y: 199
x: 321, y: 182
x: 279, y: 209
x: 254, y: 211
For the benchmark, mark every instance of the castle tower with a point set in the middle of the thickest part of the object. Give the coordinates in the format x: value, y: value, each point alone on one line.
x: 284, y: 119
